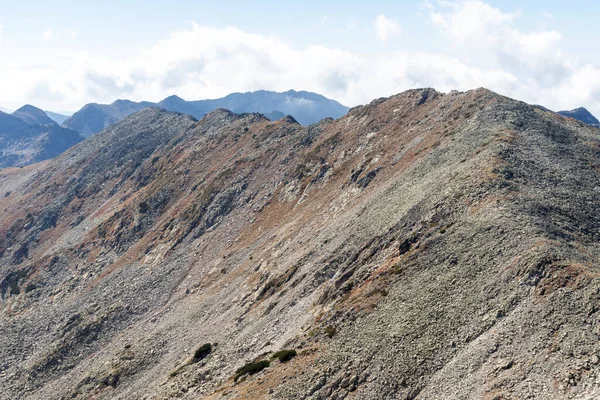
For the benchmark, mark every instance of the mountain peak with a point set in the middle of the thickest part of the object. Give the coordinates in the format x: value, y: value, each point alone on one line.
x: 288, y: 119
x: 29, y: 108
x: 32, y: 115
x: 172, y: 97
x: 220, y: 114
x: 581, y: 114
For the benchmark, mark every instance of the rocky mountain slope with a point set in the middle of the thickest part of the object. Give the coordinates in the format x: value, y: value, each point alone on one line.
x: 423, y: 246
x: 581, y: 114
x: 25, y: 140
x: 306, y: 107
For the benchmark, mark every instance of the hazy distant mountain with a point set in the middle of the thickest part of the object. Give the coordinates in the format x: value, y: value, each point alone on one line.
x: 5, y: 110
x: 275, y: 115
x: 23, y: 143
x: 196, y: 109
x: 32, y: 115
x: 581, y: 114
x: 305, y: 107
x: 93, y: 118
x: 56, y: 117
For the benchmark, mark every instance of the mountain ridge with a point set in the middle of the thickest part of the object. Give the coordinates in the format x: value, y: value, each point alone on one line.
x: 306, y: 107
x: 425, y: 245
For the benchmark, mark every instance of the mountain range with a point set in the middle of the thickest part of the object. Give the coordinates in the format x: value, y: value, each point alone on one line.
x: 28, y: 136
x: 423, y: 246
x: 33, y: 135
x: 305, y: 107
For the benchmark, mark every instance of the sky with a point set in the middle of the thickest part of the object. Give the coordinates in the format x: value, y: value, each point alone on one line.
x: 62, y: 54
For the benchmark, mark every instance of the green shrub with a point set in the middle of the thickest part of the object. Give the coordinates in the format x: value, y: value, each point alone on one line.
x: 202, y: 352
x: 30, y: 287
x: 330, y: 331
x: 284, y: 355
x: 251, y: 369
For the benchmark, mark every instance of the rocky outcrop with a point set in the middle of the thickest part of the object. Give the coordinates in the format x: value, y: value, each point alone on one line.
x: 423, y: 246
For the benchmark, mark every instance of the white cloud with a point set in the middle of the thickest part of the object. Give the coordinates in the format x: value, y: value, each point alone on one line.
x: 477, y: 26
x: 543, y: 73
x: 386, y: 28
x: 471, y: 20
x: 64, y: 33
x: 484, y: 48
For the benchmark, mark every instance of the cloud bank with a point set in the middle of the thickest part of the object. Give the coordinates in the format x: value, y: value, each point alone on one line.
x: 484, y: 48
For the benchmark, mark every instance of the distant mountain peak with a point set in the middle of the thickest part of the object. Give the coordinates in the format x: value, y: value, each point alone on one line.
x: 173, y: 97
x: 29, y: 107
x: 33, y: 115
x: 118, y: 101
x: 581, y: 114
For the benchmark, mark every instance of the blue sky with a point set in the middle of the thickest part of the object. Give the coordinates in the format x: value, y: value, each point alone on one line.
x: 62, y: 54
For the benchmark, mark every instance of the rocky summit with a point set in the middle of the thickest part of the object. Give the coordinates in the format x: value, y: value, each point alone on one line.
x: 424, y: 246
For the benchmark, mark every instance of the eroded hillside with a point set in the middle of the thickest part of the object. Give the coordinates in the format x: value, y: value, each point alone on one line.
x: 424, y: 246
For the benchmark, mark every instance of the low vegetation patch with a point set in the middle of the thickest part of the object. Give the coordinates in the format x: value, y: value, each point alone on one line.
x: 251, y: 369
x: 202, y: 352
x: 284, y: 355
x: 330, y: 331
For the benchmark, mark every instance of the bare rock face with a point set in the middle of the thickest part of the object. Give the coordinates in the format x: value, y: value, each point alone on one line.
x: 423, y: 246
